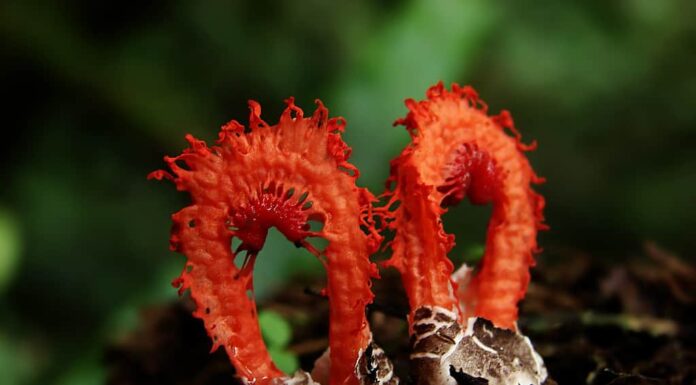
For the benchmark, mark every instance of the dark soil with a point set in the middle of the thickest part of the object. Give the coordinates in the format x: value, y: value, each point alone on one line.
x: 595, y: 322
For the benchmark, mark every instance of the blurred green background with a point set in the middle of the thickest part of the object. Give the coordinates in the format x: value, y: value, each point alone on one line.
x: 95, y: 93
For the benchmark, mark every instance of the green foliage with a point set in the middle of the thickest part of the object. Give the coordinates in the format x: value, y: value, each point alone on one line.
x: 286, y: 361
x: 9, y: 248
x: 277, y: 333
x: 16, y: 361
x: 276, y: 330
x: 473, y: 253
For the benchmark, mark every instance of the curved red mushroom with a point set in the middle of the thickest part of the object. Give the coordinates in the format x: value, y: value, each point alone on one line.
x: 459, y: 151
x: 283, y: 175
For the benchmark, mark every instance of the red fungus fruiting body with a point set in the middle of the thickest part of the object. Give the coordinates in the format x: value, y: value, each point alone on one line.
x: 284, y: 176
x: 290, y: 174
x: 459, y: 151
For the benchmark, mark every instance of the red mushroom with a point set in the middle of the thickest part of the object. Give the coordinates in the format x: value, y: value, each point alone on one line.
x: 297, y: 171
x: 458, y: 151
x: 283, y: 175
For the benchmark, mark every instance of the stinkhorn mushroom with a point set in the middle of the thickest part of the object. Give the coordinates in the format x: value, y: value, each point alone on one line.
x: 459, y: 151
x: 463, y: 326
x: 285, y: 176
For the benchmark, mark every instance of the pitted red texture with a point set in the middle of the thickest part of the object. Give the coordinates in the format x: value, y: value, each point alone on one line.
x: 459, y: 151
x: 265, y: 177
